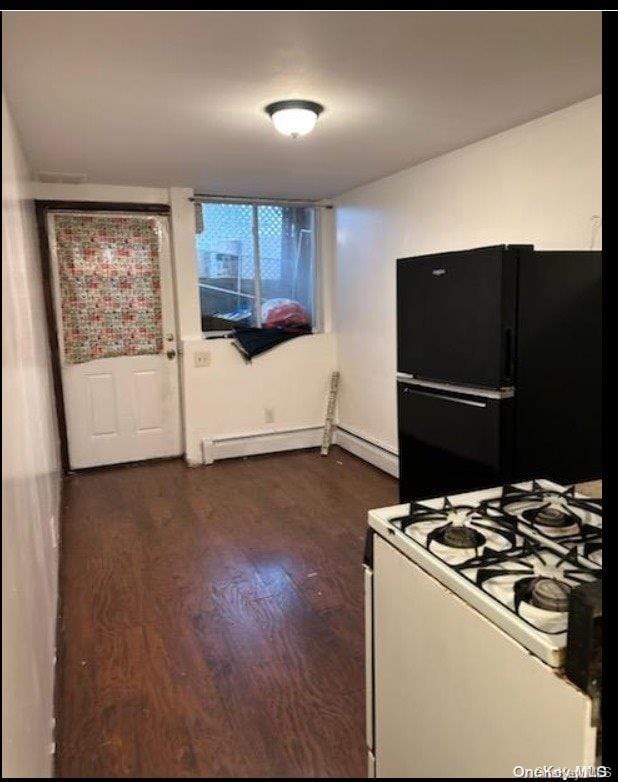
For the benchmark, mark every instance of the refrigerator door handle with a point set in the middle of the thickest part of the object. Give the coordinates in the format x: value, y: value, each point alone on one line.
x: 509, y: 354
x: 445, y: 397
x: 485, y: 393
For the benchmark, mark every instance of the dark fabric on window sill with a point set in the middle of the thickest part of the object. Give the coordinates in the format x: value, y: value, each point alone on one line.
x: 251, y: 342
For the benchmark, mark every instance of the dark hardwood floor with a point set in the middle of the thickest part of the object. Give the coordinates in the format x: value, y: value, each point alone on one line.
x: 212, y: 618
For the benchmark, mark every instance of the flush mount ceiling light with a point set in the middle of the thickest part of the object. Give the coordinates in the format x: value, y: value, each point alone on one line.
x: 294, y: 117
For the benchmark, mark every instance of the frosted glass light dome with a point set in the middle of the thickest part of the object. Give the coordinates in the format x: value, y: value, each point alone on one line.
x: 294, y: 117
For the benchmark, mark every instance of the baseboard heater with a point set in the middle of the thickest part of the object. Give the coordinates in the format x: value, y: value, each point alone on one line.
x: 368, y: 450
x: 235, y: 446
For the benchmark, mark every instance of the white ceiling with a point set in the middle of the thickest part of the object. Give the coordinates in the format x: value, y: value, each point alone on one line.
x: 176, y: 98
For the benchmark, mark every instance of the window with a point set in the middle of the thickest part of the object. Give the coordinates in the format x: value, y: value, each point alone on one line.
x: 256, y: 265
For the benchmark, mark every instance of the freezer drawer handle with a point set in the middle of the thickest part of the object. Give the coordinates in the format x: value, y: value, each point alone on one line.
x: 408, y: 390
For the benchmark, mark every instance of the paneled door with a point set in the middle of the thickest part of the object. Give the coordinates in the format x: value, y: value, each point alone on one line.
x: 114, y: 311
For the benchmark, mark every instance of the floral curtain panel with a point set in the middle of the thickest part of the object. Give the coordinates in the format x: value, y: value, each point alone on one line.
x: 110, y: 285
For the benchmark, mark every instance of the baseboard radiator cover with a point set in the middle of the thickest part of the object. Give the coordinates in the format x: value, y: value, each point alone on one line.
x: 232, y: 447
x: 367, y: 450
x: 235, y: 446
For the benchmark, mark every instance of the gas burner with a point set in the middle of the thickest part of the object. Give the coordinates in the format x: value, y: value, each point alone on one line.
x: 547, y: 515
x: 548, y: 594
x: 555, y: 519
x: 461, y: 537
x: 547, y: 512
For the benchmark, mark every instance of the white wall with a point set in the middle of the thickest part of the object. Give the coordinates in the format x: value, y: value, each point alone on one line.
x: 228, y: 399
x: 539, y: 183
x: 30, y: 484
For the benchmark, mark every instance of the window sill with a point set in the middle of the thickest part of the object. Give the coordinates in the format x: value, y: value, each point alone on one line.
x: 228, y: 333
x: 217, y: 334
x: 206, y: 335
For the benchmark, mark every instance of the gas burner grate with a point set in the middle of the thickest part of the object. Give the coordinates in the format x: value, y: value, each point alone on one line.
x: 533, y: 581
x: 518, y: 574
x: 512, y: 493
x: 452, y: 530
x: 421, y: 513
x: 551, y: 512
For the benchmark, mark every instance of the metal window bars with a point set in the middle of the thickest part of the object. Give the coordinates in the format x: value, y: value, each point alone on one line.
x: 250, y: 253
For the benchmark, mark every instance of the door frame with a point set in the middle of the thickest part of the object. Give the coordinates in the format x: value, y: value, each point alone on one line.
x: 42, y: 208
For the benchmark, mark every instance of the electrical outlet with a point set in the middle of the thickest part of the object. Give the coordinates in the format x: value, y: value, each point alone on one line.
x: 201, y: 358
x: 269, y: 415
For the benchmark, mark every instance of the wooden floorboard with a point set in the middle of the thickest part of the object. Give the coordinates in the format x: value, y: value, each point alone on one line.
x: 212, y: 618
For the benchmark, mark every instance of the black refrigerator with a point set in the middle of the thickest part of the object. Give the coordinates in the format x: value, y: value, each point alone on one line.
x: 498, y: 368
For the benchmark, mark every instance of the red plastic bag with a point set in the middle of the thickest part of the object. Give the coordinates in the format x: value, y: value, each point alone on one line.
x: 285, y: 314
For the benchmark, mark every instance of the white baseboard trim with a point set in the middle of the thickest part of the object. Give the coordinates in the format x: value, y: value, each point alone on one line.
x: 232, y: 447
x: 368, y: 451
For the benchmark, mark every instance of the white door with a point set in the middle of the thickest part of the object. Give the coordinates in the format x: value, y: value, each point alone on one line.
x: 125, y: 407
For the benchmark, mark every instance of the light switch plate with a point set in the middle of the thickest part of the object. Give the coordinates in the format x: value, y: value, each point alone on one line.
x: 201, y: 358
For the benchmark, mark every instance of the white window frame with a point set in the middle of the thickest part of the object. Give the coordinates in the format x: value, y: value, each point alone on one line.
x: 317, y: 324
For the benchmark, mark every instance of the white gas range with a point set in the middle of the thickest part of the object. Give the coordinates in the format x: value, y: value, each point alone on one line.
x: 467, y: 632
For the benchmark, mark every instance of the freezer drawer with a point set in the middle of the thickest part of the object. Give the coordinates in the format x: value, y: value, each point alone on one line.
x: 451, y: 442
x: 456, y: 316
